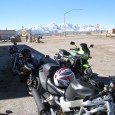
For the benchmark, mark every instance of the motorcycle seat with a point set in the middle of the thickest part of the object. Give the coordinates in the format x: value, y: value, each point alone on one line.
x: 64, y: 52
x: 49, y: 69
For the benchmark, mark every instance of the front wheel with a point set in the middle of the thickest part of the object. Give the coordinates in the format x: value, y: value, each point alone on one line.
x: 35, y: 84
x: 45, y: 113
x: 52, y: 110
x: 14, y: 70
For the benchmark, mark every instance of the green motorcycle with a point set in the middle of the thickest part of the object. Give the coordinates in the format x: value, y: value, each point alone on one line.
x: 77, y: 60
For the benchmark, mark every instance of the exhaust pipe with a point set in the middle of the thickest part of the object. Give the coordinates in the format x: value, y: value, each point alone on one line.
x: 37, y: 99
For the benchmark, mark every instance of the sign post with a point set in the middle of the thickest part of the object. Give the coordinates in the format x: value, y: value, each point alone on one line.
x: 97, y: 27
x: 29, y: 35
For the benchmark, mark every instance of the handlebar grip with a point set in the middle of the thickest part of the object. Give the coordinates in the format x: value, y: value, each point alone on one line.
x: 72, y: 49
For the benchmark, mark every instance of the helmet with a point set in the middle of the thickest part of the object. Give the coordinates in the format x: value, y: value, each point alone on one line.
x: 63, y: 77
x: 25, y: 53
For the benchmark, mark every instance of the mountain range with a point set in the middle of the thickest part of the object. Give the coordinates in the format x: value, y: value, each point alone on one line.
x: 59, y: 28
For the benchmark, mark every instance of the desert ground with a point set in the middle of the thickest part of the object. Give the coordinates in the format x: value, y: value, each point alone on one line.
x: 13, y: 97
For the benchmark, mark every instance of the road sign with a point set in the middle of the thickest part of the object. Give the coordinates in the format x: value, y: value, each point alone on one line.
x: 97, y: 26
x: 23, y: 32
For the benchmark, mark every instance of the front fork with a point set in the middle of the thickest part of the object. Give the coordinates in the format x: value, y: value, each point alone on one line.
x: 14, y: 62
x: 110, y: 108
x: 29, y: 81
x: 86, y: 69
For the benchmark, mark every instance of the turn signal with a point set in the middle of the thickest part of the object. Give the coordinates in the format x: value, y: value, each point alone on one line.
x: 22, y: 73
x: 90, y: 57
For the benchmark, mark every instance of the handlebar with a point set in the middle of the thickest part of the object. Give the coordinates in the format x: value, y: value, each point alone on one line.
x: 112, y: 77
x: 96, y: 96
x: 72, y: 49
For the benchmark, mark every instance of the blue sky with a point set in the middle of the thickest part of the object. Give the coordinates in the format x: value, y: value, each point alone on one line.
x: 27, y: 13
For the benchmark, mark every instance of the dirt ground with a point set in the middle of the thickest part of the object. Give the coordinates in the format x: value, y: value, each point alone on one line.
x: 13, y: 96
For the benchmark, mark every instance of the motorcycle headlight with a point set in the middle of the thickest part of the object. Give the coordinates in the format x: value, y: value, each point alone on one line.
x: 30, y: 66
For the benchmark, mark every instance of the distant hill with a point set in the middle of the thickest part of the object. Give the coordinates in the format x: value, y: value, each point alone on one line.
x: 54, y: 28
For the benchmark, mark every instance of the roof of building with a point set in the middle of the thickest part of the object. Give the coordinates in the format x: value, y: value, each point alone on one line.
x: 5, y: 32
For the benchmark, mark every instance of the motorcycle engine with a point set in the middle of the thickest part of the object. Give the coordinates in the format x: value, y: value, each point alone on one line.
x: 49, y: 98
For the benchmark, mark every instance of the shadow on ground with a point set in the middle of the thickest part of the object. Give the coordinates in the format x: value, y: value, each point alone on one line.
x: 6, y: 113
x: 10, y: 86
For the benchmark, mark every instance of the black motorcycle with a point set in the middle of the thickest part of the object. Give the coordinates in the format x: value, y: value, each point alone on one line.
x: 14, y: 52
x: 29, y: 72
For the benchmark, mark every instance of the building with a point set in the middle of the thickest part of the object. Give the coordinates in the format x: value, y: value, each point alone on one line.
x: 6, y: 34
x: 110, y: 33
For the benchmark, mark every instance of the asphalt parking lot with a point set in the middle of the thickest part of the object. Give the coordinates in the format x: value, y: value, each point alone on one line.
x: 14, y: 99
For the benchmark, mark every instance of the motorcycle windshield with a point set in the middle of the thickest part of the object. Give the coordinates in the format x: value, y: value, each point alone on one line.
x: 86, y: 51
x: 84, y: 48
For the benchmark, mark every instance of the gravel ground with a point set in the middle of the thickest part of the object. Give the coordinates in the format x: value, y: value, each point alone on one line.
x: 13, y: 96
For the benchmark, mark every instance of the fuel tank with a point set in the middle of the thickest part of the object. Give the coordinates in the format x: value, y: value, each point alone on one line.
x: 79, y: 90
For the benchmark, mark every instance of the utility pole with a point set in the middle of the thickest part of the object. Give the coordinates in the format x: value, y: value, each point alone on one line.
x: 65, y: 19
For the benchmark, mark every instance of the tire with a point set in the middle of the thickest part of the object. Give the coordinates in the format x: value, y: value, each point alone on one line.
x: 45, y: 113
x: 100, y: 113
x: 13, y: 70
x: 36, y: 84
x: 14, y: 73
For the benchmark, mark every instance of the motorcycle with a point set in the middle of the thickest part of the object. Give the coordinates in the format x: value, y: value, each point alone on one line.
x: 14, y: 52
x: 79, y: 98
x: 77, y: 60
x: 29, y: 72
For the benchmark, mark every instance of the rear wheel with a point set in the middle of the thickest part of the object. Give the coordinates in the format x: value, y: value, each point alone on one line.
x: 14, y: 70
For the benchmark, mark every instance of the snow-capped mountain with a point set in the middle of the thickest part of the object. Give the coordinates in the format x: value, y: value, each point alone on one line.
x: 55, y: 28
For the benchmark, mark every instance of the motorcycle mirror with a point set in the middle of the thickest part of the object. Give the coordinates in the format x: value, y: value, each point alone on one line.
x: 15, y: 43
x: 91, y: 46
x: 47, y: 56
x: 72, y: 43
x: 112, y: 77
x: 77, y: 49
